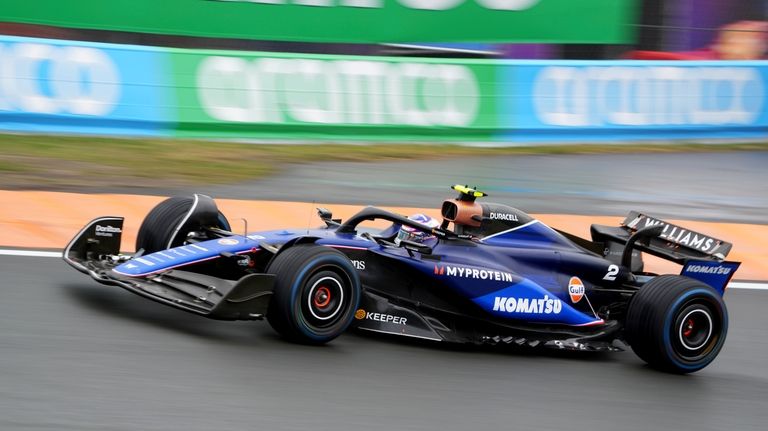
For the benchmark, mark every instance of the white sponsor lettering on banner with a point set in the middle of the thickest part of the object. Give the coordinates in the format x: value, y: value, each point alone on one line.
x: 50, y: 79
x: 275, y: 90
x: 412, y: 4
x: 647, y: 96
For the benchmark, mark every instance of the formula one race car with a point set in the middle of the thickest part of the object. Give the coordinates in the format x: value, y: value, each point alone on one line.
x: 487, y: 273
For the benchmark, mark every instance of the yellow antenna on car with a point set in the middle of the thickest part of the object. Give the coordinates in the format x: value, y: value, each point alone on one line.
x: 467, y: 193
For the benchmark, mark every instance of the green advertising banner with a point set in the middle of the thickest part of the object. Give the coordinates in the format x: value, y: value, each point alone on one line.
x: 361, y: 21
x: 226, y: 93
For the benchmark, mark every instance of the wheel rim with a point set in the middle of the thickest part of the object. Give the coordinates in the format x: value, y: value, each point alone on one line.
x: 696, y: 330
x: 324, y: 300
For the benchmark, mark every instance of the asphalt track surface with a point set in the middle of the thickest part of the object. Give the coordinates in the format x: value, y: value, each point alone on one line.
x: 77, y: 355
x: 695, y: 186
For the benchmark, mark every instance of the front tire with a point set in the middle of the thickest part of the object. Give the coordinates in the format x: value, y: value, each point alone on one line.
x: 676, y: 324
x: 168, y: 224
x: 315, y: 295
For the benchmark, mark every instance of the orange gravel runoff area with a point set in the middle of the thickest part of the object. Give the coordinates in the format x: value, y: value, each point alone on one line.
x: 48, y: 220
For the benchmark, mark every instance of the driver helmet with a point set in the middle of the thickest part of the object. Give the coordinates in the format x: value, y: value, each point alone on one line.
x: 412, y: 234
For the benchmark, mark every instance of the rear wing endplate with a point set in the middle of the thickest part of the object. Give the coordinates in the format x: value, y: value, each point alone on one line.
x: 715, y: 274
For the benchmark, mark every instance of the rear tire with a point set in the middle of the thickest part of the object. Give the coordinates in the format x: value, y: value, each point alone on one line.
x: 676, y: 324
x: 315, y: 295
x: 158, y: 230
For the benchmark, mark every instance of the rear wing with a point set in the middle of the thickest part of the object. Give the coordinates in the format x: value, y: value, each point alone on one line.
x: 702, y: 256
x: 674, y: 242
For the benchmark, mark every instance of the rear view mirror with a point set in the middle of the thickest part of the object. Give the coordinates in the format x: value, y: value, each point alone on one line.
x: 415, y: 246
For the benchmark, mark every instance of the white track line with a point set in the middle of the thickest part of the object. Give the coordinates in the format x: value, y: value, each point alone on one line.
x: 33, y: 253
x: 752, y: 285
x: 747, y: 285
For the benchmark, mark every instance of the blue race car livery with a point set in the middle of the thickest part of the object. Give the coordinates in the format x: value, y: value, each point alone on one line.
x: 487, y: 274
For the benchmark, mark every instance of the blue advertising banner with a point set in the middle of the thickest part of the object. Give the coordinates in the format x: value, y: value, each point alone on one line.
x: 66, y: 86
x: 616, y: 100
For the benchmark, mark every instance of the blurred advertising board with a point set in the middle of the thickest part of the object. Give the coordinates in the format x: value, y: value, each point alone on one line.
x: 584, y: 101
x: 359, y: 21
x: 76, y: 87
x: 313, y: 96
x: 55, y: 86
x: 64, y: 86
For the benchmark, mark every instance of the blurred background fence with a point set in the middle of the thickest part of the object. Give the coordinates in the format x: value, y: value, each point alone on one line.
x: 496, y: 71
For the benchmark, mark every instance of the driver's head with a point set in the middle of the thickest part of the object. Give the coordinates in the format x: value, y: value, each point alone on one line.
x: 411, y: 234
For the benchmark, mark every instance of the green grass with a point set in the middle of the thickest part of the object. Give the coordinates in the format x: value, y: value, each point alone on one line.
x: 8, y: 166
x: 42, y: 160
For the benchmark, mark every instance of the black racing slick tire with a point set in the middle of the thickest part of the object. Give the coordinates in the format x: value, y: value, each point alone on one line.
x: 168, y: 224
x: 315, y: 295
x: 676, y: 324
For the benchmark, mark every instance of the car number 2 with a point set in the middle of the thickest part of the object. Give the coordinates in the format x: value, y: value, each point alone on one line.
x: 613, y: 270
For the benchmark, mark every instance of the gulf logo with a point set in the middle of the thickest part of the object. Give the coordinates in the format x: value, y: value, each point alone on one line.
x: 575, y: 289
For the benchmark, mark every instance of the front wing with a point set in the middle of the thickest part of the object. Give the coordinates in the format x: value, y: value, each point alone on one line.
x: 95, y: 251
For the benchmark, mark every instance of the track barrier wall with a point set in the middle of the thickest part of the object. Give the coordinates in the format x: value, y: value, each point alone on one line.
x: 51, y: 86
